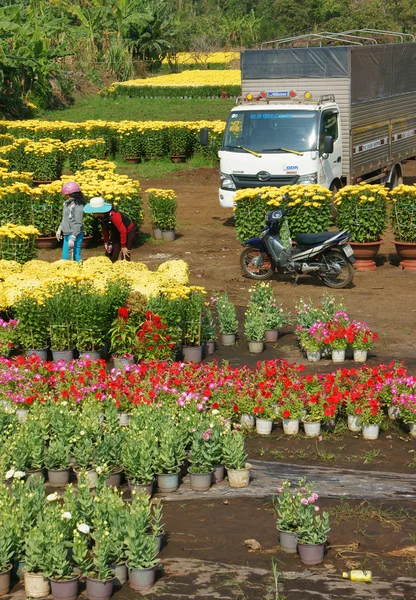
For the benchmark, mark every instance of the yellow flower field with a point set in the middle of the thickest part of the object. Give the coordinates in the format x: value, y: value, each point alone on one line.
x: 188, y: 78
x: 209, y: 58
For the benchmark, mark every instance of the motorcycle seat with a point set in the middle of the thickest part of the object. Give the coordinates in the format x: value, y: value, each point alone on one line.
x: 311, y: 239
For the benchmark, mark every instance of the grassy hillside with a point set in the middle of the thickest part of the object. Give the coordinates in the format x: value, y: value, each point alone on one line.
x: 142, y: 109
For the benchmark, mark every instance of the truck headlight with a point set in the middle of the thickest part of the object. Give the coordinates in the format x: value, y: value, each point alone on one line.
x: 227, y: 182
x: 309, y: 178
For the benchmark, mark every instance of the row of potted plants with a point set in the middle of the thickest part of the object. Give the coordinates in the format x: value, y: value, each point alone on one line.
x: 327, y: 330
x: 363, y: 209
x: 56, y: 542
x: 157, y: 445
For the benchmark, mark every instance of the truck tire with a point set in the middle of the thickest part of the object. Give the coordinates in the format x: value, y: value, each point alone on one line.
x: 396, y: 179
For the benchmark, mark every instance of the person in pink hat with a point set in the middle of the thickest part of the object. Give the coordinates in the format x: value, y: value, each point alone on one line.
x: 71, y: 228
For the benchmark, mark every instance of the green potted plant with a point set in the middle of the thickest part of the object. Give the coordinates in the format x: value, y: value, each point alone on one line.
x: 162, y: 207
x: 274, y: 318
x: 208, y: 330
x: 312, y: 531
x: 32, y: 328
x: 60, y: 309
x: 254, y: 328
x: 7, y: 551
x: 201, y: 460
x: 123, y: 339
x: 58, y: 462
x: 192, y: 309
x: 285, y: 510
x: 108, y: 456
x: 362, y: 211
x: 84, y: 454
x: 130, y: 142
x: 403, y: 222
x: 157, y: 526
x: 91, y: 322
x: 138, y: 459
x: 35, y: 557
x: 227, y: 318
x: 167, y: 465
x: 141, y: 554
x: 238, y: 469
x: 100, y: 580
x: 64, y: 584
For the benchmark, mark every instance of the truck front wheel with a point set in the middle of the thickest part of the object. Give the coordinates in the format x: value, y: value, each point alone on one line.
x: 396, y: 178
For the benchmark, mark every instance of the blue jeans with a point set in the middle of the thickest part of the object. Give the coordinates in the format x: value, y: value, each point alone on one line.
x: 77, y: 247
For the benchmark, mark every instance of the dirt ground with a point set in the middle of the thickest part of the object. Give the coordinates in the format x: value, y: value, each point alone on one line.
x: 385, y: 298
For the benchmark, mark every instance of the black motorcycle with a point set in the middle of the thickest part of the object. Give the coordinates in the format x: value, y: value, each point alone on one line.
x: 326, y: 255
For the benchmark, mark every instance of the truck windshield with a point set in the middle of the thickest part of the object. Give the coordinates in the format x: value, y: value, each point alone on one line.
x: 271, y: 130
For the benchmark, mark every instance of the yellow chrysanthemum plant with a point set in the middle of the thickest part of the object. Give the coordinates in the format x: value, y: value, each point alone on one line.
x: 81, y: 150
x: 17, y: 243
x: 310, y: 208
x: 362, y: 210
x: 43, y: 158
x: 162, y: 206
x: 403, y: 213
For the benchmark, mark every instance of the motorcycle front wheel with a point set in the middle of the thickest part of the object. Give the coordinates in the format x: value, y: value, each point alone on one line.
x: 339, y: 272
x: 261, y: 269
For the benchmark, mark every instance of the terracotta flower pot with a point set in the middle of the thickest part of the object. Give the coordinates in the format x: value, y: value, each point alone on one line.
x: 114, y: 480
x: 37, y: 182
x: 209, y: 347
x: 228, y: 339
x: 5, y: 581
x: 192, y: 354
x: 99, y: 590
x: 311, y: 554
x: 178, y: 158
x: 42, y: 354
x: 288, y: 541
x: 201, y: 482
x: 134, y: 161
x: 168, y: 235
x: 141, y: 487
x: 271, y: 335
x: 65, y: 589
x: 364, y: 254
x: 58, y: 477
x: 46, y: 243
x: 141, y: 580
x: 36, y: 585
x: 407, y: 253
x: 87, y: 241
x: 218, y: 474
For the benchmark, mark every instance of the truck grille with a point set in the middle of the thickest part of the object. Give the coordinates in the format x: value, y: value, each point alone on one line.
x: 251, y: 181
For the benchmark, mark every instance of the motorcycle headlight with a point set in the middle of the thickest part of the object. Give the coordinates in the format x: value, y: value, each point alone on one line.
x: 227, y: 182
x: 309, y: 178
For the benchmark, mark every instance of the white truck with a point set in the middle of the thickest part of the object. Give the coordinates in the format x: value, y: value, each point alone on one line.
x: 332, y: 115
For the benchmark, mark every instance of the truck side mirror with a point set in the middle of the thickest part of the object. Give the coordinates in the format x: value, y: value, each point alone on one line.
x: 328, y: 144
x: 204, y: 136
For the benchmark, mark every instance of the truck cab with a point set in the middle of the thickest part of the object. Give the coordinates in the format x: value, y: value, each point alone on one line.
x: 276, y: 140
